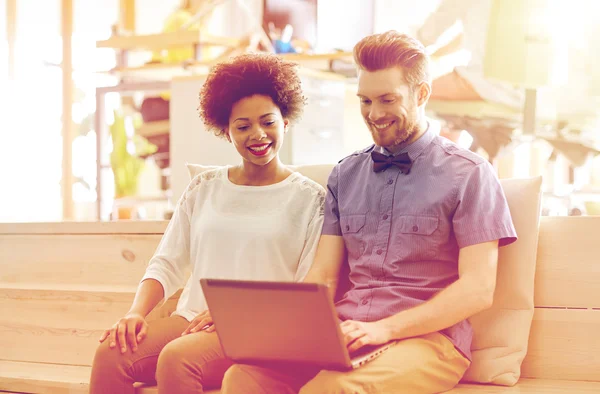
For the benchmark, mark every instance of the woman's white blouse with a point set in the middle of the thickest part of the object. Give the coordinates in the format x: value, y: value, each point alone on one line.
x: 228, y: 231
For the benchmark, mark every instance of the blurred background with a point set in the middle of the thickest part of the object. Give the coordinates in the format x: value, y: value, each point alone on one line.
x: 98, y: 98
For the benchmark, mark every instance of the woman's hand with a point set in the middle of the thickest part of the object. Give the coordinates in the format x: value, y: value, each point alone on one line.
x: 201, y: 322
x: 131, y: 328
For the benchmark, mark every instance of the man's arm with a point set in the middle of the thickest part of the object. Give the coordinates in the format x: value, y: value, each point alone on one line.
x: 470, y: 294
x: 331, y: 254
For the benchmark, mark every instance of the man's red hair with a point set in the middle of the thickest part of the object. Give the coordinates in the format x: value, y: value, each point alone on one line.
x: 393, y: 49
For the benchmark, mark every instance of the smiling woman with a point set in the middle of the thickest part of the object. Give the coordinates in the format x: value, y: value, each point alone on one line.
x: 258, y: 220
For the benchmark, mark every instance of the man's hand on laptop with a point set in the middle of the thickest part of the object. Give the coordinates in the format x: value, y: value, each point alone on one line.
x: 358, y: 334
x: 202, y: 322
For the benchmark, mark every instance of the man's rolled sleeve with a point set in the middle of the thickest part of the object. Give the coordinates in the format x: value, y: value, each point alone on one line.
x: 331, y: 221
x: 482, y: 213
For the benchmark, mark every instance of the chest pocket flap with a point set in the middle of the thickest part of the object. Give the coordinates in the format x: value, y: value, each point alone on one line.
x: 420, y: 225
x: 352, y: 223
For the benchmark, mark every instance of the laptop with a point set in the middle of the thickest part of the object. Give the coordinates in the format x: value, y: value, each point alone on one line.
x: 284, y: 322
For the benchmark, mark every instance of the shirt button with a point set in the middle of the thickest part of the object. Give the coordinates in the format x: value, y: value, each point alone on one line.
x: 347, y: 228
x: 415, y: 229
x: 379, y: 251
x: 385, y: 217
x: 365, y: 302
x: 390, y: 181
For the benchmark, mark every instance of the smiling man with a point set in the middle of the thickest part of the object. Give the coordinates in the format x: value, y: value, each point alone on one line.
x: 419, y: 221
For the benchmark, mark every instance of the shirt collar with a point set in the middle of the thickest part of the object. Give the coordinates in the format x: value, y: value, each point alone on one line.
x: 415, y: 149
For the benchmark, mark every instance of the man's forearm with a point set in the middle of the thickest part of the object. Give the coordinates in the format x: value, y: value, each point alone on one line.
x: 317, y: 276
x: 452, y: 305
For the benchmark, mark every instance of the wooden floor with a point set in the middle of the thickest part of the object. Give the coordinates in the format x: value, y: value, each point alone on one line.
x: 60, y: 379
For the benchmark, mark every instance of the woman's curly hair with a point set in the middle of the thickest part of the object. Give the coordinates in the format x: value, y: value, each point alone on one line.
x: 244, y: 76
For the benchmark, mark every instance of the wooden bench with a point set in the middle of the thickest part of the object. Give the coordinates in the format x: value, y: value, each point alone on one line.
x: 62, y: 284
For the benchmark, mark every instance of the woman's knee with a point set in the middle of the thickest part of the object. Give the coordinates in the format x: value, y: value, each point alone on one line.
x: 170, y: 360
x: 109, y: 359
x: 110, y: 371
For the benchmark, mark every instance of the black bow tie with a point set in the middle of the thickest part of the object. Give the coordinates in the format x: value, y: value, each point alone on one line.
x: 381, y: 162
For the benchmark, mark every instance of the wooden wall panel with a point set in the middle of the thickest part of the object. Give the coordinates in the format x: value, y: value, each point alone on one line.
x: 85, y: 260
x: 568, y: 262
x: 564, y: 344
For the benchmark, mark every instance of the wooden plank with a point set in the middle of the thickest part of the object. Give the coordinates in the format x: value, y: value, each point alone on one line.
x: 86, y: 260
x: 161, y: 71
x: 53, y: 326
x: 531, y: 386
x: 310, y: 66
x: 57, y: 228
x: 48, y: 378
x: 564, y: 344
x: 11, y: 37
x: 302, y: 57
x: 44, y: 378
x: 165, y: 41
x: 68, y: 128
x: 127, y: 15
x: 568, y: 267
x: 53, y: 379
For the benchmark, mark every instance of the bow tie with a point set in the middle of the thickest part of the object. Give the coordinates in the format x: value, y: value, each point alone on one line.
x: 381, y: 162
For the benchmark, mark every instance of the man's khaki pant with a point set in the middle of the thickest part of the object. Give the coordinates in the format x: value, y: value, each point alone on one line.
x: 422, y: 365
x: 178, y: 364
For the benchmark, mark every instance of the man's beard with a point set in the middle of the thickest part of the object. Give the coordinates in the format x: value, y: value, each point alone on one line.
x: 401, y: 135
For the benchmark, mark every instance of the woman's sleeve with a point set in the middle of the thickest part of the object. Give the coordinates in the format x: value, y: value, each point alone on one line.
x: 313, y: 234
x: 170, y: 264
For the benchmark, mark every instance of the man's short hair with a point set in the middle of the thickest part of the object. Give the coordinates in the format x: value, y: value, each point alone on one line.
x: 393, y: 49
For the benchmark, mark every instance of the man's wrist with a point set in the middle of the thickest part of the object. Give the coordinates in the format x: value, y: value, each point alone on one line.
x: 396, y: 327
x: 393, y: 328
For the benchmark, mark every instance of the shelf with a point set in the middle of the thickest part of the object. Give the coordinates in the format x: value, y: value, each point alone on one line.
x: 160, y: 71
x: 151, y: 42
x: 140, y: 199
x: 311, y: 65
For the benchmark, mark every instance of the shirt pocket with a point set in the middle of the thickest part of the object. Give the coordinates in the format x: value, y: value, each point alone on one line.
x: 352, y: 231
x: 418, y: 225
x: 419, y: 237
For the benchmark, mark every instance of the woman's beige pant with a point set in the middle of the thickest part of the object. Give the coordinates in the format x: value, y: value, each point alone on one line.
x: 182, y: 365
